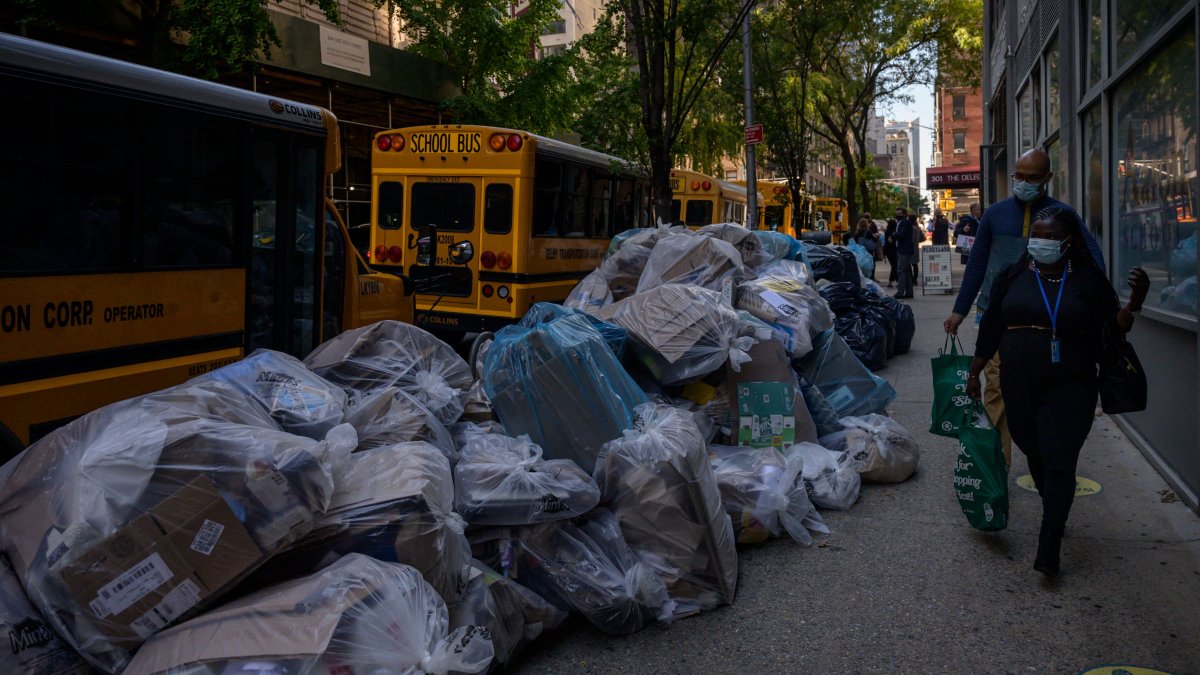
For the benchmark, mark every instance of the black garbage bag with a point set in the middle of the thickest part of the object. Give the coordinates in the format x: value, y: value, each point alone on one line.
x: 906, y: 324
x: 842, y: 296
x: 885, y: 318
x: 865, y: 336
x: 834, y: 263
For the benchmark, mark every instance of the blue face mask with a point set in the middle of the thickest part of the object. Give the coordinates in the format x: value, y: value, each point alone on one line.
x: 1045, y: 251
x: 1026, y: 191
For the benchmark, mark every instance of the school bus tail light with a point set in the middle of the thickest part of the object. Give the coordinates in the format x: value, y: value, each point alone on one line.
x: 488, y: 260
x: 497, y: 142
x: 381, y: 253
x: 515, y: 142
x: 397, y: 142
x: 695, y: 185
x: 707, y: 185
x: 394, y: 254
x: 384, y: 143
x: 504, y: 260
x: 487, y: 290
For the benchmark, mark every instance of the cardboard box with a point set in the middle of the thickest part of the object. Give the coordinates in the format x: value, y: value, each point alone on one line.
x: 764, y: 396
x: 161, y: 565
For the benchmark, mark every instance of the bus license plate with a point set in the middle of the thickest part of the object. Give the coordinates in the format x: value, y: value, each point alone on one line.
x: 457, y: 142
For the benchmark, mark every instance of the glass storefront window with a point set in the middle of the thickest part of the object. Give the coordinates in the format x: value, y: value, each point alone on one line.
x: 1093, y: 173
x: 1154, y: 116
x: 1025, y: 115
x: 1057, y: 187
x: 1093, y: 31
x: 1053, y: 90
x: 1137, y: 20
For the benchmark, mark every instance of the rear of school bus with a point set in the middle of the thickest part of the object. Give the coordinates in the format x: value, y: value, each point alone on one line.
x: 527, y: 240
x: 696, y: 199
x: 777, y: 213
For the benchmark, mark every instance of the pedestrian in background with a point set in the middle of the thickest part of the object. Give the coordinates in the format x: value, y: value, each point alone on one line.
x: 866, y: 236
x: 1000, y: 241
x: 905, y: 249
x: 941, y: 229
x: 889, y: 249
x: 966, y: 227
x: 1046, y: 317
x: 918, y: 239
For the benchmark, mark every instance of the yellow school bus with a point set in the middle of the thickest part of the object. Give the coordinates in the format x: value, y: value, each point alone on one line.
x: 834, y: 212
x: 701, y: 200
x: 162, y: 227
x: 508, y: 219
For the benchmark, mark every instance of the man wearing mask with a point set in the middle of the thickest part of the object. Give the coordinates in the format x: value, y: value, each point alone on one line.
x: 941, y: 229
x: 905, y: 248
x: 1000, y: 240
x: 967, y: 226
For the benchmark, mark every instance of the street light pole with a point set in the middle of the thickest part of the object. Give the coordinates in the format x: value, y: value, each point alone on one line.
x: 748, y: 84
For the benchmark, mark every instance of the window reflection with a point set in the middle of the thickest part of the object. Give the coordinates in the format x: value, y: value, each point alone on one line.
x: 1155, y: 119
x: 1093, y: 173
x: 1137, y: 20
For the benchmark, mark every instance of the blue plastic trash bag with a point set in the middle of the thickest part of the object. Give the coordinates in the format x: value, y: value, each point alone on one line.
x: 778, y: 246
x: 544, y: 312
x: 559, y: 383
x: 866, y: 262
x: 825, y: 418
x: 842, y: 379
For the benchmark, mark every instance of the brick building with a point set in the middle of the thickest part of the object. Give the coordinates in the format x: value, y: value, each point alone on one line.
x: 958, y: 133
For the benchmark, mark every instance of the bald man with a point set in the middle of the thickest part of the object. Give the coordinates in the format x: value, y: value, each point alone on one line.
x: 1000, y: 241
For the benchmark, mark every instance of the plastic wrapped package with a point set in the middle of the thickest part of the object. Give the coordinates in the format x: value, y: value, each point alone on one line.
x: 396, y: 354
x: 36, y: 649
x: 791, y: 269
x: 543, y: 312
x: 833, y: 263
x: 846, y: 384
x: 589, y: 568
x: 135, y: 515
x: 866, y: 337
x: 830, y: 477
x: 504, y: 481
x: 692, y: 260
x: 880, y: 448
x: 394, y: 504
x: 513, y: 615
x: 281, y: 387
x: 797, y: 311
x: 757, y: 488
x: 561, y: 385
x: 389, y: 416
x: 777, y: 246
x: 358, y: 615
x: 660, y: 486
x: 825, y: 418
x: 681, y: 333
x: 744, y: 240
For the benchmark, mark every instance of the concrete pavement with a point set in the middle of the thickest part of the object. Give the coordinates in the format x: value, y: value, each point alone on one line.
x: 903, y: 584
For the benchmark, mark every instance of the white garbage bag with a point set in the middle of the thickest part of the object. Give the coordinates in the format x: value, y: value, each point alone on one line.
x: 513, y: 615
x: 390, y: 415
x: 831, y: 479
x: 880, y: 448
x: 693, y: 260
x: 758, y: 489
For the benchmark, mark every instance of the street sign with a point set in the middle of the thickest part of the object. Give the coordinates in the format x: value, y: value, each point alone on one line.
x: 935, y: 269
x: 754, y: 134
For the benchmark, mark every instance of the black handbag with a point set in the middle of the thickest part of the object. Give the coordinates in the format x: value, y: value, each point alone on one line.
x: 1122, y: 379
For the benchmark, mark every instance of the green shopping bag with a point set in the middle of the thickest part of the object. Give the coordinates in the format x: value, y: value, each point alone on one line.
x: 980, y: 477
x: 950, y: 370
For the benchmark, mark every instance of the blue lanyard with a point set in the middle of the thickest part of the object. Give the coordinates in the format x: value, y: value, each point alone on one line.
x: 1057, y: 302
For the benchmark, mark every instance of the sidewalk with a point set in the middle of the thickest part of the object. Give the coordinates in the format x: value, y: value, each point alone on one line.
x: 903, y: 584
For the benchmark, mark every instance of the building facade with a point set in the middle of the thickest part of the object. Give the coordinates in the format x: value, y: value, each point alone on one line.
x: 958, y: 133
x: 1109, y: 89
x: 576, y: 19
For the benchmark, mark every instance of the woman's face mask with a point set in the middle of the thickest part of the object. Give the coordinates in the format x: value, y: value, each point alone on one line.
x: 1046, y: 251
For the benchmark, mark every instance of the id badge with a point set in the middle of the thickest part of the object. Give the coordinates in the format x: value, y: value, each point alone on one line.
x: 1055, y: 351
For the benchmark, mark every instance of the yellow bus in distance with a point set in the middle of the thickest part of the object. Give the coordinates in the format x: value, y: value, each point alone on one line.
x: 535, y: 215
x: 701, y: 200
x: 189, y: 228
x: 834, y: 212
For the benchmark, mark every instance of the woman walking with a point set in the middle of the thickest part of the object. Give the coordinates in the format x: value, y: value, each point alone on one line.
x: 1047, y: 315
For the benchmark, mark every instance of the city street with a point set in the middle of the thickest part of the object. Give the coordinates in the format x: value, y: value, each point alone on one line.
x: 903, y: 584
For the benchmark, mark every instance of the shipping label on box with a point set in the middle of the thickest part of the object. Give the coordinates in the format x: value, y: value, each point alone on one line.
x: 765, y: 414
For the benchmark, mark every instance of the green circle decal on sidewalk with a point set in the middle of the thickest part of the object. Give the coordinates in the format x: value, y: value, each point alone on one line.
x: 1122, y: 670
x: 1083, y: 486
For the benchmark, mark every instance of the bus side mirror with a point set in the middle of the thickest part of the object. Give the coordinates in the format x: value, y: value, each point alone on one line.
x: 462, y: 253
x: 427, y: 245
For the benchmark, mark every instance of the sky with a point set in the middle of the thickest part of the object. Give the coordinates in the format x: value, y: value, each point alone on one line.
x: 922, y: 107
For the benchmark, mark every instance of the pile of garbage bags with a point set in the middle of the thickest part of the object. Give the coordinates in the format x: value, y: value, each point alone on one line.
x: 384, y: 505
x: 873, y: 324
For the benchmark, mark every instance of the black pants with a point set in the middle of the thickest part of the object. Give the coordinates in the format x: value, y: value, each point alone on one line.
x: 890, y: 254
x: 1049, y: 420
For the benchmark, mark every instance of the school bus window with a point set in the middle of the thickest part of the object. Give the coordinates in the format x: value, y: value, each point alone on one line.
x: 260, y: 281
x: 304, y: 270
x: 335, y: 277
x: 391, y: 205
x: 623, y: 206
x: 575, y: 223
x: 774, y: 217
x: 498, y: 208
x: 547, y: 191
x: 601, y: 206
x: 73, y: 223
x: 699, y: 213
x: 190, y: 196
x: 676, y: 205
x: 450, y: 206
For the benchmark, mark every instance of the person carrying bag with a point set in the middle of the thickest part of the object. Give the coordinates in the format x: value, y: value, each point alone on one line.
x: 980, y: 477
x: 950, y: 369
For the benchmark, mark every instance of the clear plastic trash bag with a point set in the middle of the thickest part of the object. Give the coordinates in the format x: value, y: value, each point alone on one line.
x: 776, y: 246
x: 396, y: 354
x: 796, y: 310
x: 394, y: 504
x: 658, y: 482
x: 561, y: 385
x: 513, y: 615
x: 544, y: 312
x: 692, y: 260
x: 758, y: 490
x: 744, y: 240
x: 880, y: 448
x: 830, y: 477
x: 642, y: 236
x: 462, y: 432
x: 136, y: 514
x: 36, y: 649
x: 591, y: 293
x: 587, y: 567
x: 359, y: 615
x: 298, y: 401
x: 502, y: 480
x: 848, y: 387
x: 681, y: 333
x: 791, y: 269
x: 389, y: 416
